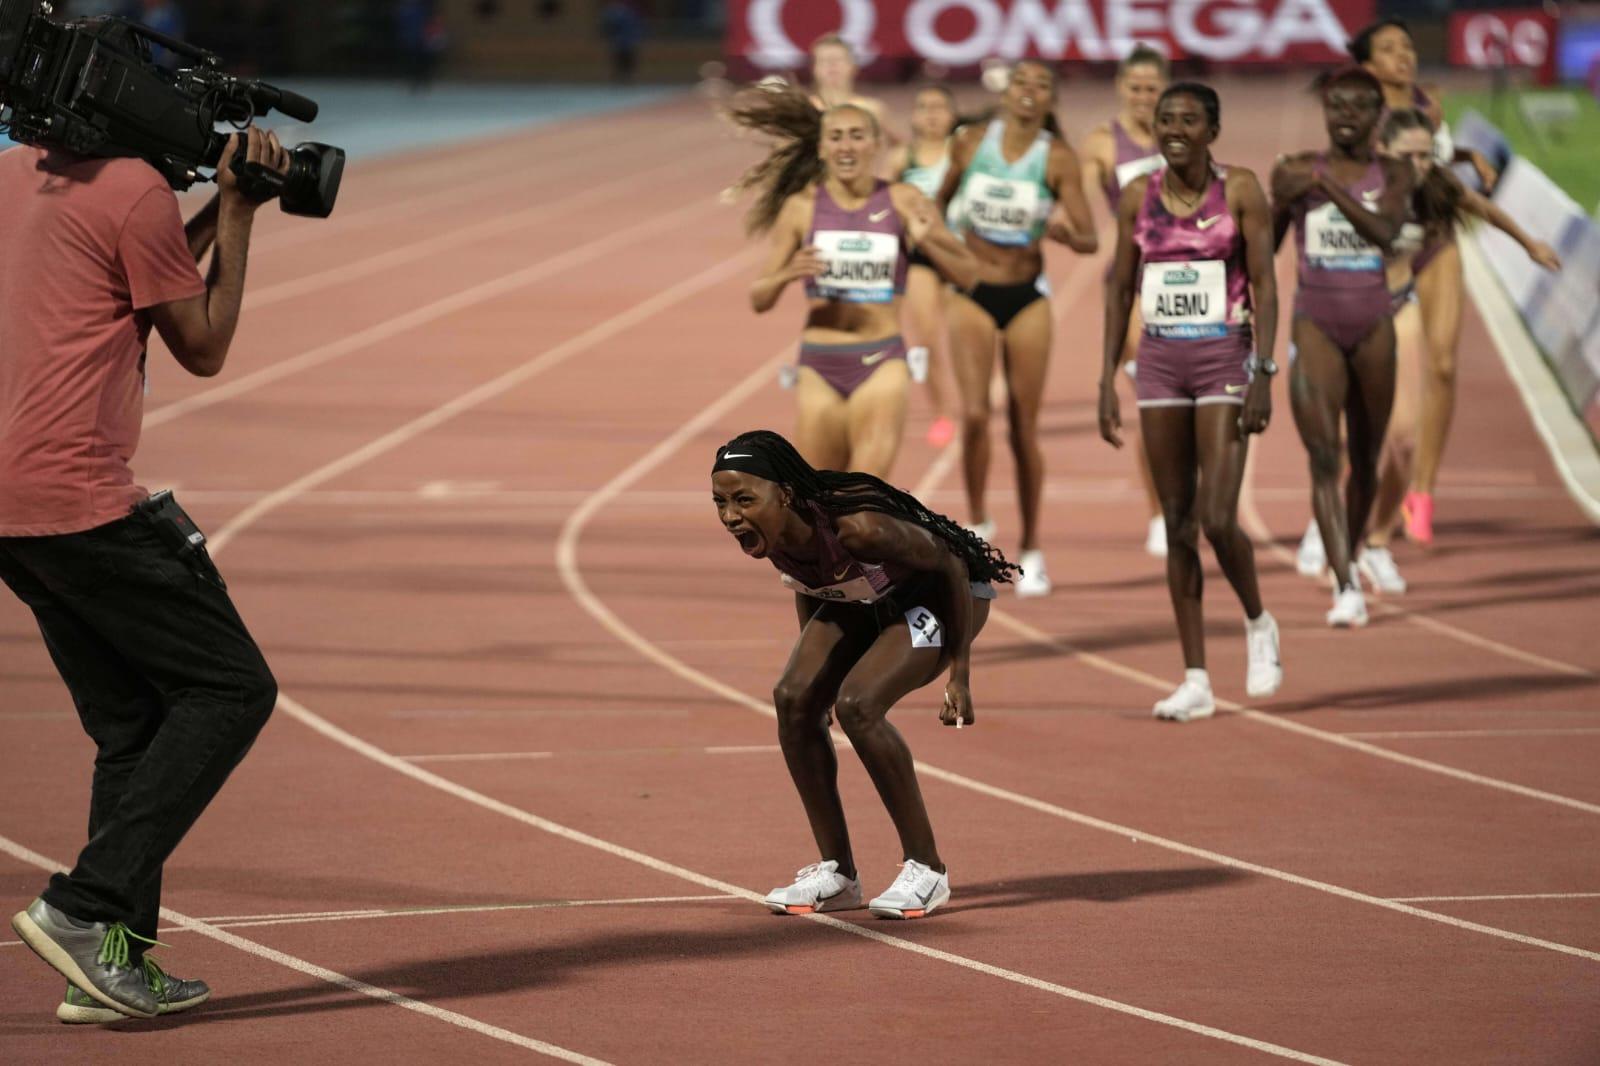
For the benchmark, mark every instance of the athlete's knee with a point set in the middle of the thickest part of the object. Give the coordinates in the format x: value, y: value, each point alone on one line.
x: 1182, y: 526
x: 796, y: 703
x: 1325, y: 459
x: 857, y: 712
x: 1442, y: 365
x: 1219, y: 524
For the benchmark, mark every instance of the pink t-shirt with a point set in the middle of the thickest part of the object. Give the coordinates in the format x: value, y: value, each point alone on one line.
x: 86, y: 245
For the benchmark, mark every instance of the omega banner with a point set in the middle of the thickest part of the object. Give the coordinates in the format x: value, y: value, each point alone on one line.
x: 1515, y: 37
x: 775, y: 34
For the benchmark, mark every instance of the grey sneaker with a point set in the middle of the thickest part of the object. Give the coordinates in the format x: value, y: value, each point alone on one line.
x: 173, y: 995
x: 91, y: 955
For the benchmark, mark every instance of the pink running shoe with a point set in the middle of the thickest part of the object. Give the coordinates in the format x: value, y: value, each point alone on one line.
x: 941, y: 432
x: 1418, y: 512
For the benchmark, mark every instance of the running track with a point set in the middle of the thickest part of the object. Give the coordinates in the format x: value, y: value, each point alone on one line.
x: 523, y: 780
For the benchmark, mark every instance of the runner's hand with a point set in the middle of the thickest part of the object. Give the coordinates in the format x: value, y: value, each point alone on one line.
x: 920, y: 219
x: 1058, y: 227
x: 1292, y: 178
x: 806, y: 262
x: 957, y: 709
x: 1544, y: 255
x: 1110, y: 415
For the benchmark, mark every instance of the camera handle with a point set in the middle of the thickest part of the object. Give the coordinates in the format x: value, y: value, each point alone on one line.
x: 258, y: 182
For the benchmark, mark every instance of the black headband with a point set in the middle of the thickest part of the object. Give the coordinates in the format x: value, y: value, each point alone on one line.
x: 745, y: 459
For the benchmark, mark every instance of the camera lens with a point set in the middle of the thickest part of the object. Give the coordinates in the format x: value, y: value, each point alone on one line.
x: 311, y: 183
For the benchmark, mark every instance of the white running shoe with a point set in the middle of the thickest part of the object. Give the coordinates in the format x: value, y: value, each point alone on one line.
x: 1312, y: 558
x: 1377, y: 566
x: 1035, y: 579
x: 1155, y: 541
x: 982, y: 530
x: 818, y: 887
x: 1191, y: 700
x: 1349, y: 609
x: 916, y: 893
x: 1265, y: 672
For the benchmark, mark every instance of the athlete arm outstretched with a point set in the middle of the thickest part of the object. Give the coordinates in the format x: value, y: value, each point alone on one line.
x: 1477, y: 204
x: 786, y: 260
x: 1119, y: 308
x: 927, y: 231
x: 880, y: 538
x: 1249, y: 205
x: 1070, y: 222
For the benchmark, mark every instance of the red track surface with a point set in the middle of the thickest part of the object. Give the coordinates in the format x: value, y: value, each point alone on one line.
x: 532, y: 568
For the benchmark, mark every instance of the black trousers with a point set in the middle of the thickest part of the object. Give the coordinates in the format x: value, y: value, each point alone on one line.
x: 168, y: 684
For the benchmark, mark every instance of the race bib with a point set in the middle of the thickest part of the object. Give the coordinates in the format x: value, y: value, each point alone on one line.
x: 860, y: 266
x: 1133, y: 169
x: 1002, y: 210
x: 1332, y: 243
x: 925, y: 628
x: 1185, y: 301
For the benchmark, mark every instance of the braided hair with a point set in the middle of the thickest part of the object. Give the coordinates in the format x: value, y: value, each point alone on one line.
x: 768, y: 455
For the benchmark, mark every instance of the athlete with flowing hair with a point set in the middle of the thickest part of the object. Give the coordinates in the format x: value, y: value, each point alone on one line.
x: 846, y: 235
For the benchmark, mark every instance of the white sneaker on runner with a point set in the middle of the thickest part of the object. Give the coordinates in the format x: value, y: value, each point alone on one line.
x: 818, y: 887
x: 916, y: 893
x: 1349, y: 609
x: 1190, y: 700
x: 1035, y: 579
x: 1312, y: 558
x: 1377, y: 566
x: 1155, y: 541
x: 1265, y: 672
x: 984, y: 530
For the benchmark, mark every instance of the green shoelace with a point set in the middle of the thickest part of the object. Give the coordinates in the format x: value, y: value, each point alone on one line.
x: 114, y: 947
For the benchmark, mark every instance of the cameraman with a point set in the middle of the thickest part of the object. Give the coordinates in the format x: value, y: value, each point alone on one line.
x: 166, y: 679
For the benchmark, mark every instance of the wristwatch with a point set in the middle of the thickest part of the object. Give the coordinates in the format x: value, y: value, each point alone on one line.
x: 1259, y: 365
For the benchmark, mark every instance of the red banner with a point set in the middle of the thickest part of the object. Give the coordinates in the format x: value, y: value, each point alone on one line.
x: 1522, y: 37
x: 775, y: 34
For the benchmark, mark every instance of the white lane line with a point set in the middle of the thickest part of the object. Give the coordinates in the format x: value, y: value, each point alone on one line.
x: 572, y: 576
x: 578, y: 753
x: 500, y: 225
x: 1429, y: 734
x: 1343, y: 740
x: 332, y: 977
x: 1473, y: 899
x: 248, y: 921
x: 288, y: 705
x: 549, y: 358
x: 441, y: 308
x: 501, y: 179
x: 481, y: 756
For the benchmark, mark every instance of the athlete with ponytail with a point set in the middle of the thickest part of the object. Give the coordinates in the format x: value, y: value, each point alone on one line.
x: 1019, y: 183
x: 1439, y: 204
x: 923, y: 162
x: 1114, y: 155
x: 1386, y: 49
x: 846, y: 235
x: 890, y: 595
